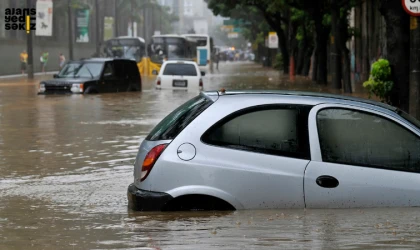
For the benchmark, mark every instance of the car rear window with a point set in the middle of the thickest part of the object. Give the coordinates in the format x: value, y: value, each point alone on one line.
x: 180, y: 69
x: 176, y: 121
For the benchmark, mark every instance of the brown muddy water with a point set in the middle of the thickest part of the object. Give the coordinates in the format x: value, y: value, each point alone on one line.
x: 66, y: 162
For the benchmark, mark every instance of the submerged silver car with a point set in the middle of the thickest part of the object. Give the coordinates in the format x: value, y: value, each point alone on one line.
x: 265, y: 150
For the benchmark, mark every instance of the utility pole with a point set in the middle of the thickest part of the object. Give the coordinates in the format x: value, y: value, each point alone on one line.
x: 415, y: 66
x: 153, y: 20
x: 132, y: 18
x: 29, y: 45
x: 160, y: 19
x: 98, y: 27
x: 70, y: 30
x: 116, y: 17
x: 144, y: 23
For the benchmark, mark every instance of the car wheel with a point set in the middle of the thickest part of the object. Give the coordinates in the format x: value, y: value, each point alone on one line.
x: 132, y: 89
x: 91, y: 90
x: 198, y: 203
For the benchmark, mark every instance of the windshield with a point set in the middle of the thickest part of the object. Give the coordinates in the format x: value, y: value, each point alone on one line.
x: 126, y: 52
x: 83, y: 70
x: 180, y: 69
x: 167, y: 48
x: 131, y: 49
x: 176, y: 121
x: 201, y: 41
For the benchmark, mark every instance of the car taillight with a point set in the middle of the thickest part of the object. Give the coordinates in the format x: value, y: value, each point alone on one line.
x: 150, y: 160
x: 158, y: 81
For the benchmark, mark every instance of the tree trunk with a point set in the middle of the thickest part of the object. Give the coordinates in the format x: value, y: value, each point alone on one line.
x: 346, y: 71
x: 314, y: 65
x: 284, y: 50
x: 343, y: 34
x: 322, y: 59
x: 302, y: 47
x: 307, y: 62
x: 398, y: 50
x: 300, y: 61
x: 335, y: 53
x: 320, y: 50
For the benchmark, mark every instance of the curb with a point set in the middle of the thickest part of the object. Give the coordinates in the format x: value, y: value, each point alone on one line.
x: 25, y: 75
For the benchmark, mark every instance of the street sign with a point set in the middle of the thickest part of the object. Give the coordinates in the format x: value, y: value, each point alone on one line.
x: 44, y: 20
x: 227, y: 28
x: 108, y: 28
x: 237, y: 30
x: 412, y: 7
x: 273, y: 40
x: 233, y: 35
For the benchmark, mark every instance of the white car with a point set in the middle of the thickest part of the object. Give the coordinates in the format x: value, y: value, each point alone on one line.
x: 257, y: 150
x: 180, y: 75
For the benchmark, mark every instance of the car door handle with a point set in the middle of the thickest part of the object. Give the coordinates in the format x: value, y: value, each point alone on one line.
x: 327, y: 181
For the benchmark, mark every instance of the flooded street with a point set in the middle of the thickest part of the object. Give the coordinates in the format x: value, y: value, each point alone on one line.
x: 66, y: 163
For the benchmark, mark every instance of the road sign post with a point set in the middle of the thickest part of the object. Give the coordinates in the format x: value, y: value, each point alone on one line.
x: 412, y: 7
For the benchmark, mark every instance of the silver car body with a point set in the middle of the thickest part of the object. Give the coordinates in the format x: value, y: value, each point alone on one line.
x: 250, y: 180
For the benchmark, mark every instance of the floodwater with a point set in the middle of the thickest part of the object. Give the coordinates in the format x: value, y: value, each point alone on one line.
x: 66, y: 162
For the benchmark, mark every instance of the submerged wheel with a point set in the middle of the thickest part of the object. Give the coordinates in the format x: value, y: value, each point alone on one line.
x: 91, y: 90
x: 198, y: 203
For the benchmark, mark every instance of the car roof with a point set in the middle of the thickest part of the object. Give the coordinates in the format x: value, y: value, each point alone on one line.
x: 180, y: 61
x: 129, y: 37
x: 197, y: 35
x: 315, y: 97
x: 100, y: 59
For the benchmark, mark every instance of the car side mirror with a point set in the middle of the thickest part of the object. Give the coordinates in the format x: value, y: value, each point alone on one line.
x: 203, y: 73
x: 154, y: 72
x: 55, y: 75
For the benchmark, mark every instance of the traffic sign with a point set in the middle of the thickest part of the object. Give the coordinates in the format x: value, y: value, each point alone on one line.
x: 273, y: 40
x: 412, y: 7
x: 227, y: 28
x: 233, y: 35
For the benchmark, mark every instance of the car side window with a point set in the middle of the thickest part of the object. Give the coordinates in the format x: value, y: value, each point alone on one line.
x: 108, y: 71
x: 273, y: 130
x: 364, y: 139
x: 119, y: 70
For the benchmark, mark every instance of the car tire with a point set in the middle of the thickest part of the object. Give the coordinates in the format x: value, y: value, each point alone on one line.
x: 132, y: 89
x: 91, y: 90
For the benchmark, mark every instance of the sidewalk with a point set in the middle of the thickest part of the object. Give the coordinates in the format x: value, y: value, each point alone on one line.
x: 25, y: 75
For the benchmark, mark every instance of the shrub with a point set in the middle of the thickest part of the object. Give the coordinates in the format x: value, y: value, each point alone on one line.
x: 380, y: 82
x: 278, y: 62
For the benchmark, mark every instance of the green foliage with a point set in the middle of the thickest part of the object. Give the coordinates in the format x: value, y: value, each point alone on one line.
x: 326, y: 20
x: 278, y: 62
x: 380, y: 83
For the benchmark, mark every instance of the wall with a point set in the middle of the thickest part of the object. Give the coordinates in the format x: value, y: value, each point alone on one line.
x: 10, y: 51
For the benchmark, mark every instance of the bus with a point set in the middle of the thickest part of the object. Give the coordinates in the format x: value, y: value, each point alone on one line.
x: 205, y: 50
x: 127, y: 47
x: 168, y: 47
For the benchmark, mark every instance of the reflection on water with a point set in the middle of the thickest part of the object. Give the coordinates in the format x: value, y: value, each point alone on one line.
x: 66, y: 162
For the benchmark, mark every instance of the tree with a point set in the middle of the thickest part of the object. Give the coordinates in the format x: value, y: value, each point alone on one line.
x: 274, y: 12
x: 398, y: 50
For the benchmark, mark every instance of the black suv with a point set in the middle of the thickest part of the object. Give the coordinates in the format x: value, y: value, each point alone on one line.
x: 89, y: 76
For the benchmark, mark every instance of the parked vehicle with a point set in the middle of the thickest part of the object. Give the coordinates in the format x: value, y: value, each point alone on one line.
x: 171, y: 47
x: 180, y: 75
x: 97, y: 75
x: 257, y: 150
x: 205, y: 50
